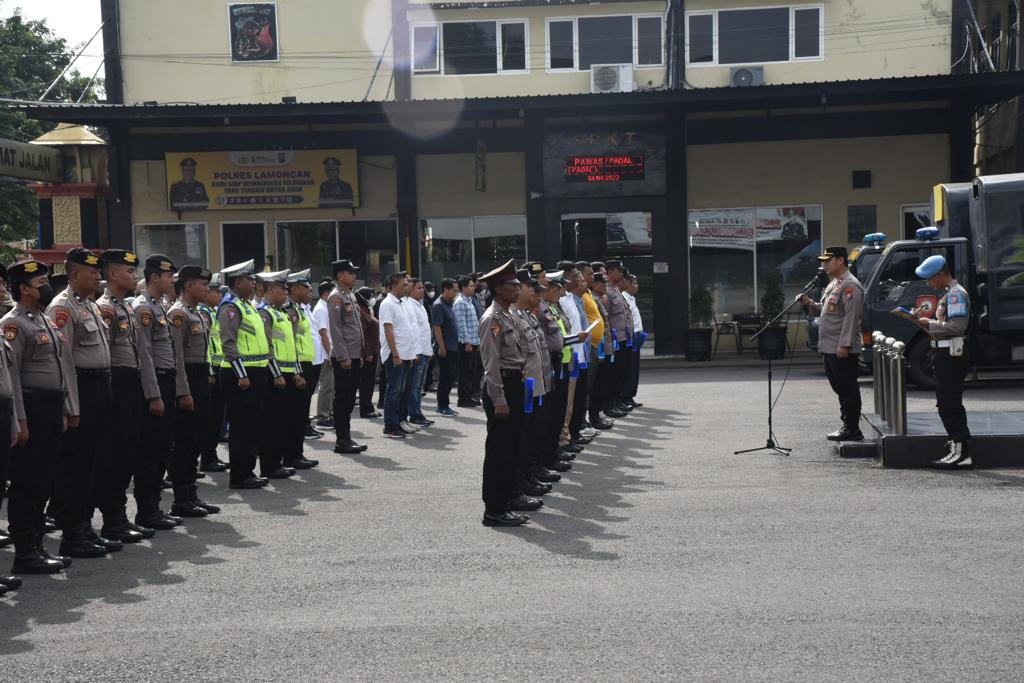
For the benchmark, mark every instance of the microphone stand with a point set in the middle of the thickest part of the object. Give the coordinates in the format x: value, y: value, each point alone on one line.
x: 771, y: 444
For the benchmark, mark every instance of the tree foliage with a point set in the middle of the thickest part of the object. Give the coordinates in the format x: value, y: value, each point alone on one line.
x: 31, y: 57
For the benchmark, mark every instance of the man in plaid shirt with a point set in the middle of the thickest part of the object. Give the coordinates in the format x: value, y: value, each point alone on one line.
x: 467, y: 322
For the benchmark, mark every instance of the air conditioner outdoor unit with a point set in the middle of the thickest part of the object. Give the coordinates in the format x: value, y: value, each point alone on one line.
x: 611, y: 78
x: 746, y: 76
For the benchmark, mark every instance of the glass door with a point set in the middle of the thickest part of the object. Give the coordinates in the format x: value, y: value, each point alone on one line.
x: 243, y: 241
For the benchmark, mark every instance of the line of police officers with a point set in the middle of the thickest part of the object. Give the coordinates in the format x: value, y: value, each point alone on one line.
x: 99, y: 391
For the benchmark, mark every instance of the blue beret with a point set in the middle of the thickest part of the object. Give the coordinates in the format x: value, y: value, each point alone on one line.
x: 930, y: 267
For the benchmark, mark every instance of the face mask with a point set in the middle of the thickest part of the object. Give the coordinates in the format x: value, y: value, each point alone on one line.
x: 46, y: 294
x: 431, y: 294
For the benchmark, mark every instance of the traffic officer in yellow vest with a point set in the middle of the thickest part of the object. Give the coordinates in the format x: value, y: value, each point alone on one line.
x: 208, y: 460
x: 84, y: 449
x: 288, y: 383
x: 160, y: 367
x: 948, y: 332
x: 300, y: 293
x: 243, y: 372
x: 556, y: 331
x: 191, y: 335
x: 42, y: 380
x: 840, y: 339
x: 119, y: 270
x: 503, y: 354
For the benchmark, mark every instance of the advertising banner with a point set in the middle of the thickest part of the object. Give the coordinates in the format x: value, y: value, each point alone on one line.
x: 306, y: 179
x: 735, y: 228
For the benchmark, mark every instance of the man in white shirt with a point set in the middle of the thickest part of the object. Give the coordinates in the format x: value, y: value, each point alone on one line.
x: 399, y: 349
x: 572, y: 311
x: 425, y: 350
x: 319, y: 320
x: 632, y: 383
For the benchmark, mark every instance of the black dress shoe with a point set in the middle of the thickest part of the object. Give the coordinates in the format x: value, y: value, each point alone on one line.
x: 36, y: 563
x: 156, y: 520
x: 11, y: 583
x: 602, y: 424
x: 63, y: 559
x: 281, y: 473
x: 846, y: 434
x: 214, y: 466
x: 188, y: 509
x: 123, y: 534
x: 612, y: 412
x: 524, y: 503
x: 209, y: 507
x: 301, y: 464
x: 536, y: 489
x: 548, y: 477
x: 504, y: 519
x: 566, y: 455
x: 200, y: 475
x: 572, y: 447
x: 349, y: 447
x: 421, y: 422
x: 560, y: 467
x: 370, y: 416
x: 79, y: 546
x: 580, y: 440
x: 112, y: 545
x: 147, y: 532
x: 312, y: 433
x: 249, y: 483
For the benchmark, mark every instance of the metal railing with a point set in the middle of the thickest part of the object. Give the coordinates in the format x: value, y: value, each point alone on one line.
x: 890, y: 381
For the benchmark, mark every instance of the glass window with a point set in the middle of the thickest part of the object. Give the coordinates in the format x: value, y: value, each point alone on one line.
x: 497, y: 239
x: 307, y: 244
x: 806, y: 33
x: 648, y: 41
x: 185, y: 243
x: 701, y: 38
x: 446, y: 247
x: 788, y: 244
x: 561, y: 54
x: 860, y: 220
x: 898, y: 272
x: 753, y: 36
x: 605, y: 40
x: 424, y: 49
x: 513, y: 46
x: 371, y: 245
x: 470, y: 47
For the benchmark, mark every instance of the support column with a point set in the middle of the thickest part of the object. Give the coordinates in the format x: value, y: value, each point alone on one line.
x: 961, y: 142
x: 672, y: 293
x: 408, y: 210
x: 542, y: 240
x: 120, y: 202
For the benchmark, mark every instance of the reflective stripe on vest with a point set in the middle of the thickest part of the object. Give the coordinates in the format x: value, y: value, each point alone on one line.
x: 566, y: 349
x: 304, y: 338
x: 284, y: 340
x: 253, y: 348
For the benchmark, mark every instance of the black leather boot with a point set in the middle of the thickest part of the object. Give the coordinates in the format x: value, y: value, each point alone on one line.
x: 74, y: 543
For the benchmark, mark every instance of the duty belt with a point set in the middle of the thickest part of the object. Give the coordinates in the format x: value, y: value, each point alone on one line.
x: 511, y: 374
x: 945, y: 343
x: 93, y: 372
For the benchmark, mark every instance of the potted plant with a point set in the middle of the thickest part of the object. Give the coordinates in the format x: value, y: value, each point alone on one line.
x: 702, y: 316
x: 771, y: 343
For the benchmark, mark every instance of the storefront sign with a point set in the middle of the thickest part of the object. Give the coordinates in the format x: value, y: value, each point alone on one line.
x: 736, y: 228
x: 607, y: 163
x: 604, y: 169
x: 306, y: 179
x: 30, y: 162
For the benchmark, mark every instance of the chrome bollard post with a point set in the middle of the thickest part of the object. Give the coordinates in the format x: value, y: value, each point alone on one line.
x: 883, y: 380
x: 890, y: 383
x: 877, y: 338
x: 900, y: 387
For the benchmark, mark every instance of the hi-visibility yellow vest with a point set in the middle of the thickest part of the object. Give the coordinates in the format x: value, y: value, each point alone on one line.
x: 566, y: 349
x: 214, y: 354
x: 253, y: 347
x: 304, y: 337
x: 283, y: 336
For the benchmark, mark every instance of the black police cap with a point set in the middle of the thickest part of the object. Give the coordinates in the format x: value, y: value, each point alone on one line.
x: 194, y: 273
x: 82, y: 257
x: 120, y: 257
x: 615, y: 264
x: 158, y: 263
x: 20, y: 272
x: 344, y: 266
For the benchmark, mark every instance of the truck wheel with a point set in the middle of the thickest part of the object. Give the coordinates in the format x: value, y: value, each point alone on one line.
x: 919, y: 364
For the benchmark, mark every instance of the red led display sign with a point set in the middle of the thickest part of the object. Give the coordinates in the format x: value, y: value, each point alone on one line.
x: 604, y: 169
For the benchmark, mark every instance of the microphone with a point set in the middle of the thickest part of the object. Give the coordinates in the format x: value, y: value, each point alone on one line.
x: 820, y: 279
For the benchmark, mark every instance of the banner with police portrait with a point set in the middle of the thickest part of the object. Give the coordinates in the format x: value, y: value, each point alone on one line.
x: 743, y: 228
x: 296, y: 179
x: 253, y: 30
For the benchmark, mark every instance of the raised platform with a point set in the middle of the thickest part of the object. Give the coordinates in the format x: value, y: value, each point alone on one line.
x: 997, y: 440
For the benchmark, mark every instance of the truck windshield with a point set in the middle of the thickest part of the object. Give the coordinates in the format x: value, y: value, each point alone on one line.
x: 865, y: 264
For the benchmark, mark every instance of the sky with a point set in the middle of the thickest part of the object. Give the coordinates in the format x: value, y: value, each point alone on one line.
x: 73, y: 20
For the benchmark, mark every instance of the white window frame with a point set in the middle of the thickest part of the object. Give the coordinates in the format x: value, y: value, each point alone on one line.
x: 266, y: 246
x: 206, y: 233
x: 498, y: 23
x: 636, y: 41
x: 437, y: 51
x: 575, y: 45
x: 792, y: 34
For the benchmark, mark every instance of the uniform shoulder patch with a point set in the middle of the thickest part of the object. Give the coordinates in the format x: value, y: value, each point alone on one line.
x: 495, y: 329
x: 232, y: 313
x: 146, y: 317
x: 108, y: 315
x: 61, y: 316
x: 10, y: 332
x: 178, y: 318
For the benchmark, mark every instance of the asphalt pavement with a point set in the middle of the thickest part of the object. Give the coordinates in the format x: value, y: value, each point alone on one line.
x: 661, y: 556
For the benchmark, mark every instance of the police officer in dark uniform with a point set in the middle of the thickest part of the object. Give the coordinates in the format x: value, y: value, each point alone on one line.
x: 189, y: 193
x: 82, y: 466
x: 191, y: 336
x: 159, y: 370
x: 345, y: 327
x: 9, y: 399
x: 948, y: 332
x: 119, y: 269
x: 334, y: 191
x: 502, y: 352
x: 42, y: 381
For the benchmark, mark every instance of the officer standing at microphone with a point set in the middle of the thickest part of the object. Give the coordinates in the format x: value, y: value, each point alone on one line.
x: 948, y: 332
x: 840, y: 340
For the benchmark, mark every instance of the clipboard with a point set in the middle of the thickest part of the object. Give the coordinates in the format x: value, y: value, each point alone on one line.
x: 905, y: 314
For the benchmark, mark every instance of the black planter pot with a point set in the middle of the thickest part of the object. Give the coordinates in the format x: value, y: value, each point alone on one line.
x: 771, y: 344
x: 698, y: 345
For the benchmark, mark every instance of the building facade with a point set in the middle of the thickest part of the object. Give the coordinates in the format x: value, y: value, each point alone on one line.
x: 708, y: 144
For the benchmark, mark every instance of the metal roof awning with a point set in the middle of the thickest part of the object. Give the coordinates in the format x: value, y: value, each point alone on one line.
x: 965, y: 89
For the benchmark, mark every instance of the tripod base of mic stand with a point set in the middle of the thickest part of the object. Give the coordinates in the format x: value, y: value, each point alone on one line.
x: 770, y: 446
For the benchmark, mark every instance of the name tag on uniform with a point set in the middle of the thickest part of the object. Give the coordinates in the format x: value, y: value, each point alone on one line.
x: 123, y: 325
x: 197, y: 328
x: 43, y: 338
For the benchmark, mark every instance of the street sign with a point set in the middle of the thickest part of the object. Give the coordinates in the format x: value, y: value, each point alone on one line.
x: 30, y: 162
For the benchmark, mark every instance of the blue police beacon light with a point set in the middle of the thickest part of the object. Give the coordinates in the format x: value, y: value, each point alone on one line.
x: 875, y: 239
x: 927, y: 234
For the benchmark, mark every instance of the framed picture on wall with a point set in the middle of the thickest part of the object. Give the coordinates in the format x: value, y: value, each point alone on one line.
x: 253, y: 30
